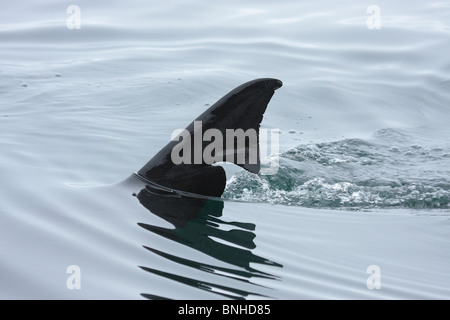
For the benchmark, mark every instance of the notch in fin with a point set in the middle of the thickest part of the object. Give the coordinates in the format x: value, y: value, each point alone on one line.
x: 242, y: 108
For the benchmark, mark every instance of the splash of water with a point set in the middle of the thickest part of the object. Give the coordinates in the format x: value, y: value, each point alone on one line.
x: 389, y: 170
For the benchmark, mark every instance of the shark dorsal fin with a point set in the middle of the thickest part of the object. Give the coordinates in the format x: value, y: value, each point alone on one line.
x: 237, y: 112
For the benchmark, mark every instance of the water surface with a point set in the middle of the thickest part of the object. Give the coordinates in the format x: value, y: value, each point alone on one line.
x: 364, y: 176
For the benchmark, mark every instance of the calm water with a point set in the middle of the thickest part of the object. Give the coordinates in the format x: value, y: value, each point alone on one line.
x: 364, y: 175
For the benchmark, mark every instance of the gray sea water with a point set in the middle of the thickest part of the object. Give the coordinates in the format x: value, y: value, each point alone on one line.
x: 89, y: 93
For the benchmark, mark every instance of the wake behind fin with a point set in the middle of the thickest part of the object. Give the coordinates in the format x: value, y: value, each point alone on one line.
x: 241, y: 109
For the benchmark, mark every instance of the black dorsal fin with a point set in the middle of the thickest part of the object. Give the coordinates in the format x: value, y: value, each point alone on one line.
x: 242, y: 108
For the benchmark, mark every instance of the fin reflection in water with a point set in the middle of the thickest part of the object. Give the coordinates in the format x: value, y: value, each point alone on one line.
x: 197, y: 223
